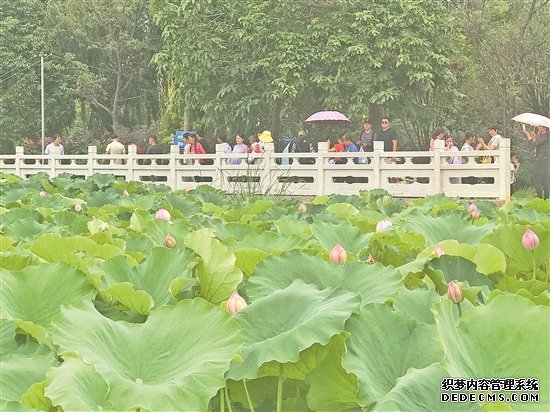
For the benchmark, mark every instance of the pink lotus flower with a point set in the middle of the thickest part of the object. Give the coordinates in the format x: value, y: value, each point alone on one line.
x: 338, y: 254
x: 370, y: 260
x: 383, y: 225
x: 472, y: 207
x: 454, y: 293
x: 530, y: 240
x: 42, y: 194
x: 169, y: 241
x: 235, y: 303
x: 438, y: 251
x: 78, y: 207
x: 302, y: 208
x: 474, y: 214
x: 163, y: 214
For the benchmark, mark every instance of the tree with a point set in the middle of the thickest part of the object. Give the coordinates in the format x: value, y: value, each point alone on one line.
x: 254, y: 62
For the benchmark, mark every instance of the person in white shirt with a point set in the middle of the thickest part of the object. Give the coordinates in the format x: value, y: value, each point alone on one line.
x: 55, y: 147
x: 116, y: 148
x: 493, y: 144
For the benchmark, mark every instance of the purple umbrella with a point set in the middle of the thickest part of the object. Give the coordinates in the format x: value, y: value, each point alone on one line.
x: 326, y: 116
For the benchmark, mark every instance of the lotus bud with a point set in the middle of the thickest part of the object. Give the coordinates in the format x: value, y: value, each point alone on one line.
x: 370, y: 260
x: 78, y: 207
x: 235, y: 303
x: 474, y: 214
x: 169, y: 241
x: 530, y: 240
x: 42, y: 194
x: 190, y: 186
x: 383, y: 225
x: 454, y: 293
x: 163, y: 214
x: 125, y: 193
x: 302, y: 208
x: 338, y: 255
x: 438, y: 251
x: 472, y: 207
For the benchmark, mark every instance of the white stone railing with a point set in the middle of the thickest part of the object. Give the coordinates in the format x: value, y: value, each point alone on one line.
x: 415, y: 174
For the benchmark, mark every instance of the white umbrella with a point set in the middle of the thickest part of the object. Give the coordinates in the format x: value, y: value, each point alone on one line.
x: 532, y: 119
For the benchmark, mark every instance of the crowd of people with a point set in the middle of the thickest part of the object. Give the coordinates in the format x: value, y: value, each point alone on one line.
x: 362, y: 142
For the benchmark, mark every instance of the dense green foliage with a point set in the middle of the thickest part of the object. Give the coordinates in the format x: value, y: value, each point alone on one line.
x: 133, y: 67
x: 99, y: 311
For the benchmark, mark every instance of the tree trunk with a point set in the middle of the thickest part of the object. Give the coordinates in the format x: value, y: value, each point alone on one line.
x: 114, y: 108
x: 187, y: 119
x: 276, y: 119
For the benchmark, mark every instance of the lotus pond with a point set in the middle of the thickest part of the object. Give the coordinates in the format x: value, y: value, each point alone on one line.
x: 102, y: 310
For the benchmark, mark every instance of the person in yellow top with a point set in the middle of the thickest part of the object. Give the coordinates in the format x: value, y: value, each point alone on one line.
x: 116, y: 148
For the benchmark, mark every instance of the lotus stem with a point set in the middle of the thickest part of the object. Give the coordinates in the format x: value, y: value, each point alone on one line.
x: 280, y: 382
x: 459, y: 310
x: 250, y: 404
x: 534, y: 266
x: 228, y: 399
x: 222, y: 401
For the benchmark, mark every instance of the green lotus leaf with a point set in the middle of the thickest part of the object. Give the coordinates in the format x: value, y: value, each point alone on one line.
x: 6, y: 243
x: 269, y: 242
x: 383, y: 346
x: 216, y: 271
x: 343, y: 210
x: 451, y: 226
x: 19, y: 213
x: 247, y: 259
x: 296, y: 228
x: 331, y: 388
x: 458, y: 268
x: 27, y: 229
x: 7, y: 337
x: 534, y: 290
x: 508, y: 239
x: 154, y: 276
x: 34, y: 397
x: 225, y: 231
x: 181, y: 203
x: 100, y: 198
x: 33, y: 296
x: 174, y: 361
x: 419, y: 390
x: 288, y: 321
x: 347, y: 235
x: 507, y: 337
x: 21, y: 370
x: 157, y: 230
x: 55, y: 248
x: 75, y: 386
x: 417, y: 303
x: 373, y: 283
x: 531, y: 216
x: 259, y: 207
x: 395, y: 248
x: 488, y: 258
x: 13, y: 261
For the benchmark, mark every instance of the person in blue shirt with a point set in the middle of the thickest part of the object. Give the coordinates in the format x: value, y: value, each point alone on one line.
x: 349, y: 146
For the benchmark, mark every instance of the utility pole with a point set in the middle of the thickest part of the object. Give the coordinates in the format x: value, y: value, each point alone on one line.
x: 42, y: 96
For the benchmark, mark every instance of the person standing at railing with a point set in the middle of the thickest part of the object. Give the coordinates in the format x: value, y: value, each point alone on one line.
x: 116, y: 148
x: 437, y: 135
x: 350, y: 148
x: 239, y: 147
x: 389, y: 137
x: 541, y: 173
x: 195, y: 147
x: 367, y: 137
x: 494, y: 142
x: 55, y: 147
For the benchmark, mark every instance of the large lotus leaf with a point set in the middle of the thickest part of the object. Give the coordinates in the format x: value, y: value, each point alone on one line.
x: 19, y: 213
x: 27, y: 229
x: 216, y: 271
x: 451, y: 226
x: 181, y: 203
x: 342, y: 210
x: 225, y: 231
x: 34, y: 397
x: 347, y: 235
x: 457, y: 268
x: 395, y: 248
x: 100, y: 198
x: 7, y: 337
x: 383, y: 346
x: 534, y: 290
x: 297, y: 228
x: 75, y: 386
x: 33, y: 296
x: 419, y: 390
x: 270, y: 242
x: 417, y: 303
x: 6, y: 243
x: 288, y: 321
x: 174, y: 361
x: 54, y: 248
x: 531, y: 216
x: 508, y: 239
x: 247, y: 259
x: 331, y: 388
x: 374, y: 283
x: 13, y: 261
x: 488, y: 258
x: 156, y: 230
x: 19, y: 371
x: 153, y: 276
x: 507, y: 337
